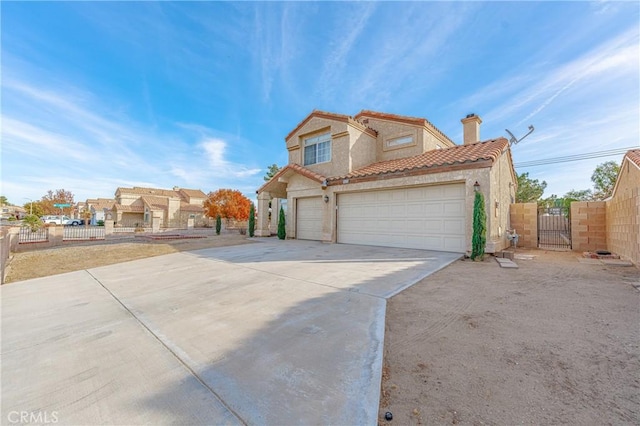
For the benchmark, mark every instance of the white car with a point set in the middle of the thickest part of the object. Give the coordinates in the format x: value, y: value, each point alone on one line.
x: 61, y: 220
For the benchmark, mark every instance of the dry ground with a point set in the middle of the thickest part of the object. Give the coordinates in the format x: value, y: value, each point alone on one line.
x: 58, y: 260
x: 553, y: 342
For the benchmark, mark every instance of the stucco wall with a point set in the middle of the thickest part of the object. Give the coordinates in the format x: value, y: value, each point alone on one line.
x: 524, y: 219
x: 623, y: 215
x: 588, y: 226
x: 500, y: 197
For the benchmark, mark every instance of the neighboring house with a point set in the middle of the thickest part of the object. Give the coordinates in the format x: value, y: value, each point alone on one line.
x: 172, y: 208
x: 16, y: 212
x: 100, y: 208
x: 390, y: 180
x: 623, y: 210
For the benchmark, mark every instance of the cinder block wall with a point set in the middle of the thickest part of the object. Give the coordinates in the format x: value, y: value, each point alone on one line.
x: 623, y: 224
x: 588, y: 226
x: 524, y: 219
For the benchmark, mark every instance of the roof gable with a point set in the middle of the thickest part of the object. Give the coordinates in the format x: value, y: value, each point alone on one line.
x: 415, y: 121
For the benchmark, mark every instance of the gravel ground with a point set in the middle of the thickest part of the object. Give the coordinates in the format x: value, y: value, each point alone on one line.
x: 553, y: 342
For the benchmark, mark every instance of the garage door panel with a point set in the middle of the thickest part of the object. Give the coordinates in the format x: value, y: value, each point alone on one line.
x: 431, y: 218
x: 309, y: 218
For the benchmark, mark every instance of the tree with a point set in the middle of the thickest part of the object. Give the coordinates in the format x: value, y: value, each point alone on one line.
x: 604, y: 179
x: 271, y: 172
x: 529, y: 190
x: 228, y: 203
x: 282, y: 231
x: 479, y: 238
x: 252, y: 220
x: 35, y: 208
x: 4, y: 201
x: 60, y: 196
x: 218, y: 224
x: 579, y: 195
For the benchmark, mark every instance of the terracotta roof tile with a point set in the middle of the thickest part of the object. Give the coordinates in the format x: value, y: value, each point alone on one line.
x: 193, y: 193
x: 298, y: 169
x: 634, y: 156
x: 132, y: 208
x: 460, y: 154
x: 190, y: 207
x: 156, y: 202
x: 417, y: 121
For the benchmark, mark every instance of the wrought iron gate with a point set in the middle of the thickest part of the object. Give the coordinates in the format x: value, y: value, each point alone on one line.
x: 554, y: 227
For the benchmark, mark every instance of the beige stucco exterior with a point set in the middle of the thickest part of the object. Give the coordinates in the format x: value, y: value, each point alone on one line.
x: 357, y: 144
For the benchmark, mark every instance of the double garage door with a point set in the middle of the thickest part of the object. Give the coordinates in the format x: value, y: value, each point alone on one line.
x: 428, y: 217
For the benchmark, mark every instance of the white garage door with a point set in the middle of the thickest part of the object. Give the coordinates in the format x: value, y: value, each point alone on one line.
x: 427, y: 217
x: 309, y: 218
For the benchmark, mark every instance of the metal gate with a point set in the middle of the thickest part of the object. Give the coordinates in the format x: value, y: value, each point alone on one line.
x: 554, y: 227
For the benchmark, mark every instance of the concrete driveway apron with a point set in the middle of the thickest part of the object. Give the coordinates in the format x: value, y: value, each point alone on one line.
x: 276, y: 332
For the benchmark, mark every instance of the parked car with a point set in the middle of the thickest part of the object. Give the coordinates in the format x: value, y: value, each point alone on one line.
x: 60, y: 220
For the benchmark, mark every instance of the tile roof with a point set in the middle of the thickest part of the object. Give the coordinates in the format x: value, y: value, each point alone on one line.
x: 156, y: 202
x: 148, y: 191
x: 190, y: 207
x: 331, y: 116
x: 634, y: 156
x: 193, y: 193
x: 296, y: 168
x: 459, y: 154
x: 132, y: 208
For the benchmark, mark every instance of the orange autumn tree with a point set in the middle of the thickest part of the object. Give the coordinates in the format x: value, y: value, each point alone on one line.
x: 228, y: 203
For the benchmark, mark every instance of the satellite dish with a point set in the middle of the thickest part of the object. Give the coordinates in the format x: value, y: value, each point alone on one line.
x: 513, y: 140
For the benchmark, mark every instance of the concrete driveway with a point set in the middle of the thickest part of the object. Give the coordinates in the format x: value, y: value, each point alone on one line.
x: 277, y: 332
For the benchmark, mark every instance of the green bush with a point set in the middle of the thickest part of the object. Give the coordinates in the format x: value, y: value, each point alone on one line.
x: 282, y: 232
x: 479, y: 239
x: 101, y: 223
x: 252, y: 220
x: 32, y: 221
x: 218, y: 224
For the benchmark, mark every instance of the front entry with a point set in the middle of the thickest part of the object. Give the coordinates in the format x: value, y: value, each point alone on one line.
x: 554, y: 228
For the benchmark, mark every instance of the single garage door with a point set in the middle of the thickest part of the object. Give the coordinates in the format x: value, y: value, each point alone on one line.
x: 309, y: 218
x: 426, y: 217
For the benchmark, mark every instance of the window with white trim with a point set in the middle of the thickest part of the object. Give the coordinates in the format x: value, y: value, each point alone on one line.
x: 404, y: 140
x: 317, y: 149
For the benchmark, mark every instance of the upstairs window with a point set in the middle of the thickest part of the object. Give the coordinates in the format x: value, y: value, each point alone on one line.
x: 405, y: 140
x: 317, y: 149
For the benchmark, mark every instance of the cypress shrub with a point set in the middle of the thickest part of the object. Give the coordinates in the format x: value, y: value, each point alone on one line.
x: 479, y: 239
x: 282, y: 233
x: 252, y: 220
x: 218, y: 224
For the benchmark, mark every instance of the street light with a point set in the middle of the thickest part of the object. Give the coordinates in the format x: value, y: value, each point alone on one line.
x: 30, y: 206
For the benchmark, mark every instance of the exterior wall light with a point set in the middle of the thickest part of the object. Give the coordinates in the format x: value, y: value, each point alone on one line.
x: 476, y: 186
x: 326, y: 198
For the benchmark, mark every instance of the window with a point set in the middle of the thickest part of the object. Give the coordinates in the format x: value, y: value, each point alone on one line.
x: 317, y: 149
x: 404, y: 140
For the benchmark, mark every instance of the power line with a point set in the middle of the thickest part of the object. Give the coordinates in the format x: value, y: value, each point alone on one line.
x: 570, y: 158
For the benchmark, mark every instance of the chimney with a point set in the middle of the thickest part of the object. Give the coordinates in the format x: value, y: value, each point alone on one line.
x: 471, y: 129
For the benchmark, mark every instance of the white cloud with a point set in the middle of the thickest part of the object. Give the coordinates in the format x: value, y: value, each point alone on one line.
x: 219, y: 167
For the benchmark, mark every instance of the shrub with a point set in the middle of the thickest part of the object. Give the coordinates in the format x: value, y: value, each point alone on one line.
x: 252, y: 220
x: 282, y: 233
x: 218, y: 224
x: 479, y: 239
x: 101, y: 223
x: 33, y: 222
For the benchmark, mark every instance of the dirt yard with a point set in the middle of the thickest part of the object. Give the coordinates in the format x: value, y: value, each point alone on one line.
x: 45, y: 262
x: 553, y: 342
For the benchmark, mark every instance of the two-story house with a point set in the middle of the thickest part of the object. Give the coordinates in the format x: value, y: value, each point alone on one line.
x: 390, y: 180
x: 171, y: 207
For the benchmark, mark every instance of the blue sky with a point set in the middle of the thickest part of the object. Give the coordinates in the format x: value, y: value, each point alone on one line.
x: 97, y: 95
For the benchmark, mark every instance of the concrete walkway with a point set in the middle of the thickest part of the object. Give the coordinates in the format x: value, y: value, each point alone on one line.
x: 277, y: 332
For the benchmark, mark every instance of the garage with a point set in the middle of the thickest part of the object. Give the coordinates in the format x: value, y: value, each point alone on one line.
x: 425, y: 217
x: 309, y: 218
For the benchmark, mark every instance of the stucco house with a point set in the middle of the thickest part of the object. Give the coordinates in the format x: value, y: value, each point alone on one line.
x: 623, y: 210
x: 390, y: 180
x: 100, y: 208
x: 171, y: 207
